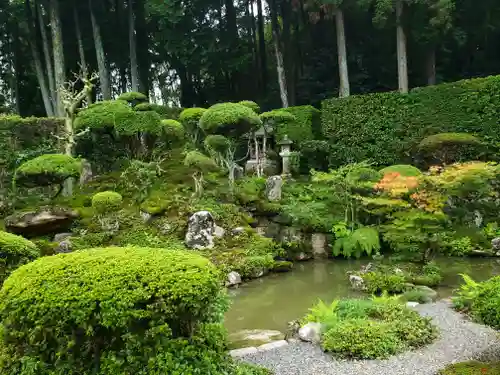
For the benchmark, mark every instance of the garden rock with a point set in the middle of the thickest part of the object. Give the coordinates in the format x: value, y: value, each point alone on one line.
x: 201, y: 231
x: 219, y: 232
x: 86, y: 174
x: 357, y: 282
x: 233, y: 279
x: 273, y: 188
x: 45, y: 220
x: 237, y: 353
x: 431, y: 294
x: 64, y: 247
x: 62, y: 236
x: 254, y: 337
x: 311, y: 332
x: 282, y: 266
x: 495, y: 243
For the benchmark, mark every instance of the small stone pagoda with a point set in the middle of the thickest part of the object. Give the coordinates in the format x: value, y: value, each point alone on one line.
x: 260, y: 143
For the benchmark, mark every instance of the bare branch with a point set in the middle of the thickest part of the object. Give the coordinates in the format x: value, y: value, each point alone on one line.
x: 82, y: 133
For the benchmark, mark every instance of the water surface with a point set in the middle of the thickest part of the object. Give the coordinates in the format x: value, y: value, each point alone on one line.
x: 272, y: 301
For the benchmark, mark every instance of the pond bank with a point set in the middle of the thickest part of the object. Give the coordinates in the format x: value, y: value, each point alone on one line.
x: 272, y: 301
x: 459, y: 340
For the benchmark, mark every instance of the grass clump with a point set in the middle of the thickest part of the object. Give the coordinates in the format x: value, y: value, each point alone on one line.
x: 471, y: 368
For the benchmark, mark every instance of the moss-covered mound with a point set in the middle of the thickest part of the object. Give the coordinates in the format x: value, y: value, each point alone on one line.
x: 154, y: 309
x: 47, y: 170
x: 106, y: 201
x: 14, y: 252
x: 472, y: 368
x: 405, y: 170
x: 230, y: 119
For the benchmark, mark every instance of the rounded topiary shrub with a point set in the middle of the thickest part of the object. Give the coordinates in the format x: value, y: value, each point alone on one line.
x: 106, y: 201
x: 47, y: 170
x: 133, y: 97
x: 229, y: 119
x: 251, y: 104
x: 14, y: 252
x: 405, y: 170
x: 113, y: 311
x: 363, y: 177
x: 447, y: 148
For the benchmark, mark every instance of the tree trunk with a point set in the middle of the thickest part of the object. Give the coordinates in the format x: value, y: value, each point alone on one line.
x: 47, y: 55
x: 119, y: 13
x: 40, y: 75
x: 134, y: 70
x: 401, y: 49
x: 58, y: 49
x: 104, y: 77
x: 431, y: 67
x: 344, y: 90
x: 142, y: 46
x: 262, y: 45
x: 81, y: 50
x: 279, y: 56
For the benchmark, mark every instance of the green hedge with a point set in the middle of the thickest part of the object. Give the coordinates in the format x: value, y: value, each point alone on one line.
x: 387, y: 127
x: 306, y: 127
x: 113, y: 311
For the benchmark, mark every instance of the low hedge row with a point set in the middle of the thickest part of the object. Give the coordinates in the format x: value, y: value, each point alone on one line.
x: 387, y: 127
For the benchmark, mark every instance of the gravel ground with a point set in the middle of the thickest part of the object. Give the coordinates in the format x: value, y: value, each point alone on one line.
x: 459, y: 340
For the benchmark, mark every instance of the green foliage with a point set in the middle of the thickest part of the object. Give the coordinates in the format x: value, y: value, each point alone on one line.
x: 405, y: 170
x: 378, y: 282
x: 481, y: 299
x: 315, y: 155
x: 471, y: 368
x: 449, y: 148
x: 199, y: 161
x: 158, y: 311
x: 363, y: 339
x: 248, y: 369
x: 106, y: 202
x: 250, y: 190
x: 370, y: 329
x: 217, y: 143
x: 190, y: 118
x: 250, y: 104
x: 304, y: 128
x: 138, y: 178
x: 355, y: 243
x: 133, y: 97
x: 229, y: 119
x: 164, y: 111
x: 14, y: 252
x: 363, y: 177
x: 384, y: 127
x: 173, y: 132
x: 277, y: 118
x: 416, y: 295
x: 47, y: 170
x: 460, y: 247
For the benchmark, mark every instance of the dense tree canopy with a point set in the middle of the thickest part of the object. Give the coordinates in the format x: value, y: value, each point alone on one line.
x: 277, y: 53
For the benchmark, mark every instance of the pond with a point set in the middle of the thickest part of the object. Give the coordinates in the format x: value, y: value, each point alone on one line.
x: 272, y: 301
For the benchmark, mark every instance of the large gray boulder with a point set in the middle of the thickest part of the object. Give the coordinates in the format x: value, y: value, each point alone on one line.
x: 495, y: 244
x: 201, y: 231
x: 233, y: 279
x: 311, y: 332
x: 45, y: 220
x: 274, y: 185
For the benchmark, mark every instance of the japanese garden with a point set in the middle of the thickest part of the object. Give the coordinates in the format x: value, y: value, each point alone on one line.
x: 249, y: 187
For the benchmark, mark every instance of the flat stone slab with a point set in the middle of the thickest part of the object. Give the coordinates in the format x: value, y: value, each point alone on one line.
x: 237, y: 353
x: 272, y: 345
x: 459, y: 340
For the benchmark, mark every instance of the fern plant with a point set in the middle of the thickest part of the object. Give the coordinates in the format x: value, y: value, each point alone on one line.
x: 324, y: 314
x: 467, y: 293
x: 364, y: 240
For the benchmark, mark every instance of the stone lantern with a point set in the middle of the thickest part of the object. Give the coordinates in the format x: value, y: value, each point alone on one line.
x: 285, y: 154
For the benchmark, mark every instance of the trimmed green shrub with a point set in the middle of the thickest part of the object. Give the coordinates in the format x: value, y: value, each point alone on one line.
x: 133, y: 97
x: 199, y: 161
x: 105, y: 114
x: 106, y: 202
x: 363, y: 339
x: 47, y: 170
x: 229, y: 119
x: 306, y: 126
x: 217, y: 143
x: 173, y: 130
x: 405, y: 170
x: 471, y: 368
x: 384, y: 127
x: 14, y: 252
x: 378, y: 282
x: 251, y: 104
x: 164, y: 111
x: 113, y: 311
x: 314, y: 155
x: 447, y: 148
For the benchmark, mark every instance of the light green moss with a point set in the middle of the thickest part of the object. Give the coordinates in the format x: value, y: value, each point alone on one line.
x: 405, y: 170
x: 47, y: 169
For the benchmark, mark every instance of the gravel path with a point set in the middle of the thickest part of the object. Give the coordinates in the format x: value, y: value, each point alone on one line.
x: 459, y: 340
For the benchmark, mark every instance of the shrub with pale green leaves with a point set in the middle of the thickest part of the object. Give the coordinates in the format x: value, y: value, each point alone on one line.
x: 229, y: 119
x: 14, y: 252
x: 106, y: 202
x: 251, y: 104
x: 114, y: 311
x: 48, y: 169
